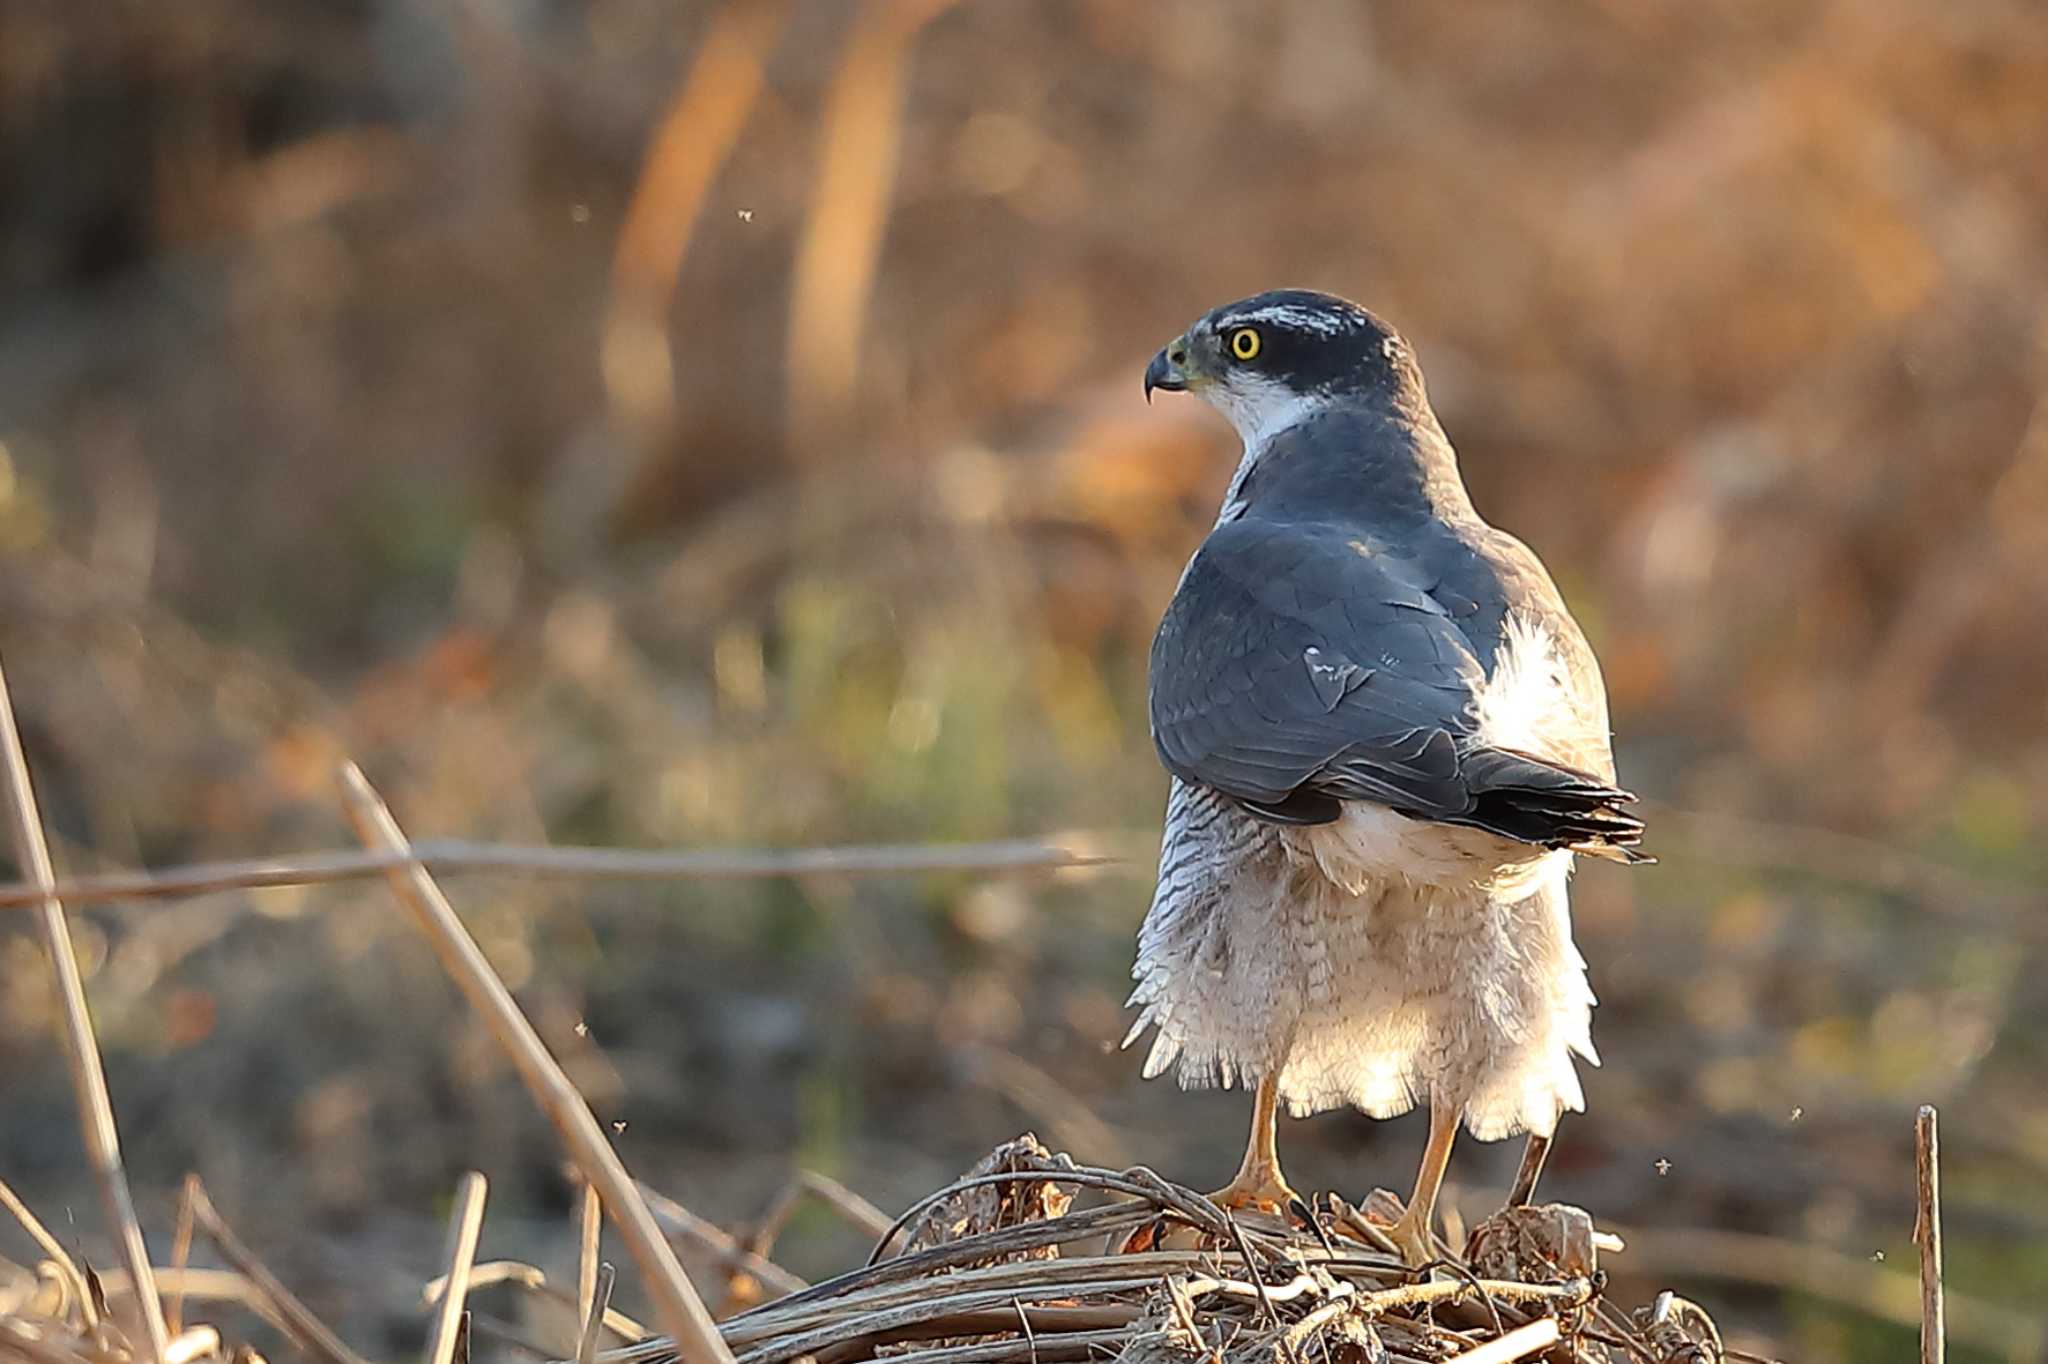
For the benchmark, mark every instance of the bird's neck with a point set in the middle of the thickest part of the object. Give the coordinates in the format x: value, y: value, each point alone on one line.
x: 1368, y: 462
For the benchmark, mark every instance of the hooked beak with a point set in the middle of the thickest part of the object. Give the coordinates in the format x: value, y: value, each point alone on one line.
x: 1166, y: 370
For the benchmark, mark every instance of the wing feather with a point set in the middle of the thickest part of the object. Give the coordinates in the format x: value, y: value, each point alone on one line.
x: 1296, y: 669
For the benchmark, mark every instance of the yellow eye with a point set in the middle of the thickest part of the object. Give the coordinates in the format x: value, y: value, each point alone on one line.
x: 1244, y: 343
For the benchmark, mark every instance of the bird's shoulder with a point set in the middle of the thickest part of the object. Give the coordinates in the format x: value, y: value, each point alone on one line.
x: 1348, y: 587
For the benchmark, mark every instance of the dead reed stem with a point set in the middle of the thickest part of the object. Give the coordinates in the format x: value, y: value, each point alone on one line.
x: 531, y: 1278
x: 88, y: 1078
x: 1073, y: 1227
x: 306, y: 1330
x: 204, y: 1285
x: 859, y: 1213
x: 20, y: 1340
x: 730, y: 1254
x: 1067, y: 1346
x: 201, y: 1342
x: 589, y: 1240
x: 52, y: 1249
x: 1135, y: 1182
x: 1262, y: 1291
x: 622, y: 864
x: 676, y: 1304
x: 593, y: 1319
x: 463, y: 1229
x: 1519, y: 1343
x: 992, y: 1288
x: 758, y: 1239
x: 489, y: 1272
x: 1927, y: 1235
x: 181, y: 1255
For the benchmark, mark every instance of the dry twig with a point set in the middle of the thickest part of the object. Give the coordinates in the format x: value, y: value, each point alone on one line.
x: 306, y: 1330
x: 51, y: 1248
x: 204, y: 1285
x: 1519, y: 1343
x: 862, y: 1215
x: 1927, y: 1235
x: 463, y: 1229
x: 181, y: 1255
x: 450, y: 856
x: 530, y: 1277
x: 858, y: 1212
x: 200, y: 1342
x: 593, y: 1318
x: 979, y: 1248
x: 1137, y: 1182
x: 88, y: 1078
x: 731, y: 1255
x: 589, y: 1239
x: 676, y: 1303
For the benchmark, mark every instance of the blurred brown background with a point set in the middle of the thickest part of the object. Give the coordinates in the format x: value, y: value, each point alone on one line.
x: 633, y: 422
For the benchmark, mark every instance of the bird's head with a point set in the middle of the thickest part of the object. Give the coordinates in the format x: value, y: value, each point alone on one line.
x: 1269, y: 360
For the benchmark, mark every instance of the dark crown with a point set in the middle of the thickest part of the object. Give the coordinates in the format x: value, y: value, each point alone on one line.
x: 1317, y: 343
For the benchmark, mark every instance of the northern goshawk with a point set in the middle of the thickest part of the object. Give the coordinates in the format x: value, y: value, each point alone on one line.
x: 1388, y: 739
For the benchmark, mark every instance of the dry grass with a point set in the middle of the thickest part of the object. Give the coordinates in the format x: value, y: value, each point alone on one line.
x: 996, y: 1268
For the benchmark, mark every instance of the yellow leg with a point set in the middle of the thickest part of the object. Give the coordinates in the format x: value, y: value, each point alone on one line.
x: 1412, y: 1233
x: 1258, y: 1183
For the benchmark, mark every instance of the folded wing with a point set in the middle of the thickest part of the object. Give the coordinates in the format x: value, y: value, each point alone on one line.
x: 1296, y: 669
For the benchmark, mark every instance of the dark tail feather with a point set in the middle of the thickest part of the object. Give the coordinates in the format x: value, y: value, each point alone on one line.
x: 1533, y: 801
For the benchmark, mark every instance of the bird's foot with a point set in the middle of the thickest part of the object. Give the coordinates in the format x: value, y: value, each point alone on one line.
x: 1258, y: 1190
x: 1391, y: 1225
x: 1373, y: 1221
x: 1257, y: 1187
x: 1411, y: 1236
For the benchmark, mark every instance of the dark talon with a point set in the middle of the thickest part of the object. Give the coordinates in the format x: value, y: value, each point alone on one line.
x: 1303, y: 1210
